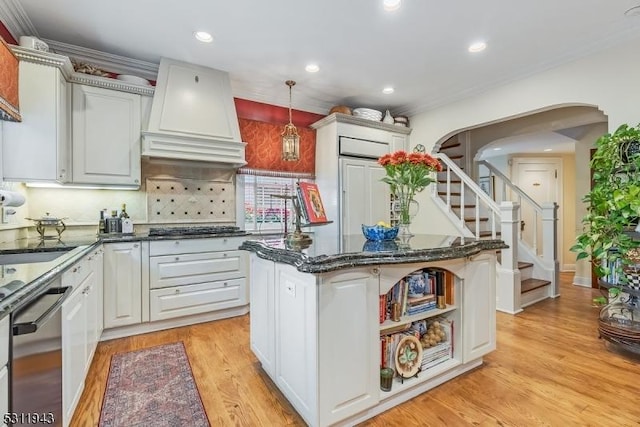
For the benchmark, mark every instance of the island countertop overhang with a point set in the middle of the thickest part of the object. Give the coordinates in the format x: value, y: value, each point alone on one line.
x: 359, y: 252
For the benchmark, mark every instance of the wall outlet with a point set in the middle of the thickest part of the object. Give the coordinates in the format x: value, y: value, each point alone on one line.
x: 6, y: 214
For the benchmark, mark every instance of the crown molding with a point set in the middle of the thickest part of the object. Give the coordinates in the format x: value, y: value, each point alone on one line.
x: 15, y: 19
x: 108, y: 83
x: 113, y: 63
x: 44, y: 58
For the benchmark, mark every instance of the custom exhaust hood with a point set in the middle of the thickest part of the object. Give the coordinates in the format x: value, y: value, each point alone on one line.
x: 193, y: 117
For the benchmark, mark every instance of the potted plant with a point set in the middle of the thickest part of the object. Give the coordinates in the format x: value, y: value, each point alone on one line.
x: 614, y: 203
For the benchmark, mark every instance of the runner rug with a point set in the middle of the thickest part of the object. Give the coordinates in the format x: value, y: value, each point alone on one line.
x: 152, y: 387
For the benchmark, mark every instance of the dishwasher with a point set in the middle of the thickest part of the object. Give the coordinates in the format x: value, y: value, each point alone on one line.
x: 36, y: 358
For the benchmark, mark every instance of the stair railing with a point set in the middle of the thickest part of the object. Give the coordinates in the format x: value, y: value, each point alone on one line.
x: 545, y: 215
x: 481, y: 202
x: 503, y: 219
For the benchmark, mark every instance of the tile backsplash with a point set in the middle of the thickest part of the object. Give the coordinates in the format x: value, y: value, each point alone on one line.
x: 189, y: 200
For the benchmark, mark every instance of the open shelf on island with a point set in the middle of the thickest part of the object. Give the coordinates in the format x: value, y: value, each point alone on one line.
x: 405, y: 320
x: 423, y: 376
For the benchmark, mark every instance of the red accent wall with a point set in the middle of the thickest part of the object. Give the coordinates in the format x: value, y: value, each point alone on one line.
x: 6, y: 35
x: 261, y: 126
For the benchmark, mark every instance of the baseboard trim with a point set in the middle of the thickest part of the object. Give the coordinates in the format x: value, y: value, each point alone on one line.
x: 582, y: 281
x: 568, y: 267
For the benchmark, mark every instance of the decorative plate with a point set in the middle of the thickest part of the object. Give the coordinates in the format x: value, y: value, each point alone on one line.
x: 408, y: 356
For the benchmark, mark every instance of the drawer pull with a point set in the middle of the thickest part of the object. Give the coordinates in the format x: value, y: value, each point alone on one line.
x: 135, y: 245
x: 177, y: 242
x: 177, y: 291
x: 177, y: 258
x: 224, y: 254
x: 226, y: 284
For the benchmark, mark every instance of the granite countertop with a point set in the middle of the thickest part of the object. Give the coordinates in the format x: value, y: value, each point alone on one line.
x: 22, y: 281
x: 320, y: 256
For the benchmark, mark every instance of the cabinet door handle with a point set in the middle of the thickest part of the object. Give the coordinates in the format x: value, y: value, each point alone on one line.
x: 74, y: 270
x: 224, y: 241
x: 177, y: 242
x: 135, y: 245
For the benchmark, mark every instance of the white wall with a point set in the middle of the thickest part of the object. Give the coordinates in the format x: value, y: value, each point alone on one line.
x: 607, y: 80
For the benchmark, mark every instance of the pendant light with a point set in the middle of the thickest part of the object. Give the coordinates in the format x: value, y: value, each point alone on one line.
x: 290, y: 138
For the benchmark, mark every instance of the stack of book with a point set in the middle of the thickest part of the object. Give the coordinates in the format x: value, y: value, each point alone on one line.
x: 417, y: 305
x: 441, y: 352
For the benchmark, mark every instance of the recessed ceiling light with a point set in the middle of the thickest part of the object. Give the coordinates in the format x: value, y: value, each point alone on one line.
x: 391, y: 5
x: 477, y: 47
x: 387, y: 90
x: 312, y: 68
x: 497, y: 149
x: 203, y: 36
x: 548, y: 149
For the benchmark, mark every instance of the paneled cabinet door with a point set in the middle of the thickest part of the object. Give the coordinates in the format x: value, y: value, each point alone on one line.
x: 74, y: 344
x: 39, y: 147
x: 106, y: 136
x: 349, y: 327
x: 479, y: 297
x: 122, y: 284
x: 263, y: 313
x: 365, y: 198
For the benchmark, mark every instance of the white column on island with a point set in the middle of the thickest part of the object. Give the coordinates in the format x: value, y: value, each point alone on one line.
x: 508, y: 283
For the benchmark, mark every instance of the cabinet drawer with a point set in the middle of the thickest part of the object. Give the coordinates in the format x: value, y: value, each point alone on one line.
x: 77, y: 273
x: 194, y: 299
x: 4, y: 340
x: 189, y: 269
x: 188, y: 246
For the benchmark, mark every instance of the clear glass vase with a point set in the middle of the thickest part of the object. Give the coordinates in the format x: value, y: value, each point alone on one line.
x: 405, y: 210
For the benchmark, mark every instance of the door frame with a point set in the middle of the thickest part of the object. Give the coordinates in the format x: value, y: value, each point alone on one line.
x: 515, y: 161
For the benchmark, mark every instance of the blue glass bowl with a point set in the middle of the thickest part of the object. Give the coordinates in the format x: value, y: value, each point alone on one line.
x: 378, y: 233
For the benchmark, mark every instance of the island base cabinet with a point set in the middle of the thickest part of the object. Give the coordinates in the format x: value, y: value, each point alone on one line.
x: 479, y: 308
x: 295, y: 339
x: 262, y: 317
x: 74, y: 342
x: 349, y: 360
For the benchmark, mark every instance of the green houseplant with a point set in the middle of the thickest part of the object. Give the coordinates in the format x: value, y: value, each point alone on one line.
x: 613, y: 202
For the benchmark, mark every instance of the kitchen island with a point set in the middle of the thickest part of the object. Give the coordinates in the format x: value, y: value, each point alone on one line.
x: 321, y: 330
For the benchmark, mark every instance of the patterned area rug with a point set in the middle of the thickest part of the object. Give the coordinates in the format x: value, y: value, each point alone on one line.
x: 152, y: 387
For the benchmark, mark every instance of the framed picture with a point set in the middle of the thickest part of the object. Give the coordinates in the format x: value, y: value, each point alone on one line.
x: 311, y: 202
x: 486, y: 184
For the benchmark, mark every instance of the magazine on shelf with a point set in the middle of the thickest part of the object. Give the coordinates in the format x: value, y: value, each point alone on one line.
x: 311, y: 202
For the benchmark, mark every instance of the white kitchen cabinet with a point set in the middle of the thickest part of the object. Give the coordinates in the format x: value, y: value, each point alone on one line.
x: 263, y: 313
x: 296, y: 360
x: 348, y: 148
x: 196, y: 276
x: 39, y: 147
x: 74, y: 343
x: 122, y: 284
x: 479, y: 301
x: 365, y: 198
x: 106, y: 136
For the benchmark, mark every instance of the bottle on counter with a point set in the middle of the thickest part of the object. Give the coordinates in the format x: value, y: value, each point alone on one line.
x: 101, y: 223
x: 123, y: 212
x: 113, y: 223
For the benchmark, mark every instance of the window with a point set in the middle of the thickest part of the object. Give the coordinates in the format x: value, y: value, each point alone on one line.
x: 263, y: 209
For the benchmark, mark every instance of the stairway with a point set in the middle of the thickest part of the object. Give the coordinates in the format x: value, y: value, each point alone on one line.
x: 532, y: 289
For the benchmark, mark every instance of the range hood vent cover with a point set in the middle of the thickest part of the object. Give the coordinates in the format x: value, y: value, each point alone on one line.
x: 193, y: 117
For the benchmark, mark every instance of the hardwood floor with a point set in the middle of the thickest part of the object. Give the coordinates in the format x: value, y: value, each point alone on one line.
x: 550, y: 369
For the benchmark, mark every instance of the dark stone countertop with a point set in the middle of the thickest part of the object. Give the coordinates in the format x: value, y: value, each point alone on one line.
x: 357, y: 251
x: 21, y: 282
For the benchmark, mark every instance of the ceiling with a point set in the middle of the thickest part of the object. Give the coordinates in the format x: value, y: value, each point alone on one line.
x: 419, y: 49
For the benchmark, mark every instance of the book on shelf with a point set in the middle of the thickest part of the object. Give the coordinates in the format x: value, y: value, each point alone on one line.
x: 302, y: 206
x: 310, y: 198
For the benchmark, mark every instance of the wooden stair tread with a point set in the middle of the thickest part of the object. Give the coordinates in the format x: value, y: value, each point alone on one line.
x: 522, y: 264
x: 446, y: 147
x: 465, y: 206
x: 457, y: 157
x: 488, y: 234
x: 453, y: 193
x: 453, y: 181
x: 529, y: 285
x: 472, y: 219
